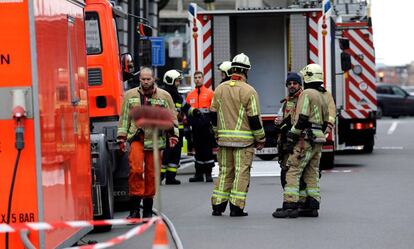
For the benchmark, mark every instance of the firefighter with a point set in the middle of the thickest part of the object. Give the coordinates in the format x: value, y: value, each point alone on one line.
x: 225, y: 68
x: 203, y: 138
x: 141, y: 180
x: 128, y: 71
x: 305, y: 141
x: 284, y: 124
x: 171, y: 156
x: 238, y: 128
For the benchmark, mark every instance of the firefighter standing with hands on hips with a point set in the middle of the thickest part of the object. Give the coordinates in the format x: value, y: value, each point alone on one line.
x: 203, y: 138
x: 141, y: 178
x: 305, y: 141
x: 285, y: 122
x: 238, y: 128
x: 171, y: 156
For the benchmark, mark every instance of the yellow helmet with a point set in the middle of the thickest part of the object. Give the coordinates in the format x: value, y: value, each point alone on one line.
x: 225, y: 67
x: 241, y: 61
x: 170, y: 76
x: 312, y: 73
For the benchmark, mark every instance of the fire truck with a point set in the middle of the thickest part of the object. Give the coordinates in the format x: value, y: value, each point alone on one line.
x: 279, y: 40
x: 61, y: 88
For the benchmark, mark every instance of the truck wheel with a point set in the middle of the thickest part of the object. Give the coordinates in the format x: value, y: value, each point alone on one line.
x: 327, y: 160
x: 107, y: 193
x: 267, y: 157
x: 369, y: 147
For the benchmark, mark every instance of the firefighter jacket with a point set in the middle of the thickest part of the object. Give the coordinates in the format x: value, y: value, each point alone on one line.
x: 312, y: 106
x: 331, y: 107
x: 238, y: 114
x: 135, y: 98
x: 178, y: 101
x: 288, y: 112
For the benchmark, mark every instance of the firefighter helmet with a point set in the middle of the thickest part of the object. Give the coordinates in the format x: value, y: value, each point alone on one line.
x: 241, y: 61
x: 225, y: 67
x: 171, y: 75
x: 312, y: 73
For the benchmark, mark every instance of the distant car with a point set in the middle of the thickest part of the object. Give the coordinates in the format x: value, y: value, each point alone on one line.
x: 394, y: 101
x: 409, y: 89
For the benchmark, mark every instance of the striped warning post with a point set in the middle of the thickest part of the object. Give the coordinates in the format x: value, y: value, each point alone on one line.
x: 313, y: 40
x: 207, y: 48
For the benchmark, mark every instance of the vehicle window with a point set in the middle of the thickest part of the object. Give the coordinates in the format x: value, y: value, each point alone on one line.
x: 398, y: 91
x: 383, y: 90
x: 93, y: 33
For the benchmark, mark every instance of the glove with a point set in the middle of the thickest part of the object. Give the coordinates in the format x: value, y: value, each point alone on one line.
x: 292, y: 140
x: 173, y: 141
x: 196, y: 113
x: 122, y: 144
x: 259, y: 145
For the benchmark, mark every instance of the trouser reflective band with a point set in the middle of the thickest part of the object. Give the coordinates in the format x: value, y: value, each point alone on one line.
x: 205, y: 162
x: 163, y: 170
x: 313, y: 192
x: 171, y: 169
x: 221, y: 194
x: 238, y: 195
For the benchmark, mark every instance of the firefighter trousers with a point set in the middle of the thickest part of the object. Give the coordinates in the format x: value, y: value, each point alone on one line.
x: 171, y: 156
x: 304, y: 162
x: 141, y: 178
x: 283, y: 170
x: 234, y: 175
x: 203, y: 141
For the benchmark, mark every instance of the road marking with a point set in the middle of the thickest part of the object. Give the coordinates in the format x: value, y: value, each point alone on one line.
x: 392, y: 127
x: 389, y: 148
x: 338, y: 171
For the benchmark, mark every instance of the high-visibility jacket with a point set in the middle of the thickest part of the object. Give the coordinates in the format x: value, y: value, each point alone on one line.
x: 200, y: 97
x: 234, y: 102
x: 311, y: 103
x: 135, y: 98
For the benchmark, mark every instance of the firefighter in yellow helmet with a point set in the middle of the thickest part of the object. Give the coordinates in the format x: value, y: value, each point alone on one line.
x: 225, y: 69
x: 238, y: 129
x: 305, y: 141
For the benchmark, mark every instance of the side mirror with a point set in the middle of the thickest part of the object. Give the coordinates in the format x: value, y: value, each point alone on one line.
x: 128, y: 66
x: 346, y: 64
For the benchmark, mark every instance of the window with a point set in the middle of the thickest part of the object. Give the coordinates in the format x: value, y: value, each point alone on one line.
x: 93, y: 33
x: 383, y: 90
x: 398, y: 91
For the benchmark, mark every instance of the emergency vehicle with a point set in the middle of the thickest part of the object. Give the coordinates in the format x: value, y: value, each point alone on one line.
x: 278, y: 40
x: 61, y: 99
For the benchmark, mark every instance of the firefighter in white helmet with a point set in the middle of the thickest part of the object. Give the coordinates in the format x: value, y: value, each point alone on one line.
x: 171, y: 156
x: 237, y: 136
x: 305, y: 141
x: 225, y: 69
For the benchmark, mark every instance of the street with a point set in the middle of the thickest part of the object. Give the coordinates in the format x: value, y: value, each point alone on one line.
x: 366, y: 203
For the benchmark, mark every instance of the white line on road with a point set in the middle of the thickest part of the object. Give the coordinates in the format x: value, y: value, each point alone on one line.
x: 392, y: 127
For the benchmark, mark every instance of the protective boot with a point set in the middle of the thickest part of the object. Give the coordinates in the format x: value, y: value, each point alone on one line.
x: 147, y: 210
x: 289, y: 209
x: 162, y: 176
x: 198, y: 177
x: 309, y: 208
x: 170, y: 178
x: 235, y: 211
x: 219, y: 209
x: 134, y: 207
x: 207, y: 172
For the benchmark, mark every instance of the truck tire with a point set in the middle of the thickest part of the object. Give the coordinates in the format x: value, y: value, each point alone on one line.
x: 267, y: 157
x: 327, y: 160
x: 369, y: 147
x: 107, y: 193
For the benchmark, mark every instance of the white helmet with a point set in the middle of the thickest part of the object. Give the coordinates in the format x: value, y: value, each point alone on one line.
x: 241, y: 61
x: 225, y: 67
x: 170, y: 76
x: 312, y: 73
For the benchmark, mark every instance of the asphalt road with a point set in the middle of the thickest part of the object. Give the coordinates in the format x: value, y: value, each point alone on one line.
x: 367, y: 202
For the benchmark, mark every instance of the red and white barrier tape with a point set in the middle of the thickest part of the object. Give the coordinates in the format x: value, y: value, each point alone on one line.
x: 121, y: 238
x: 38, y: 226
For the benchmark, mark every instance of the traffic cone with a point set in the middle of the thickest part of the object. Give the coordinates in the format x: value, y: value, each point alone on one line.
x: 160, y: 238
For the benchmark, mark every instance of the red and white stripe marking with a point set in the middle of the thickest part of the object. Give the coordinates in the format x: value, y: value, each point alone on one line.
x: 40, y: 226
x: 207, y: 49
x: 361, y: 96
x: 313, y: 37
